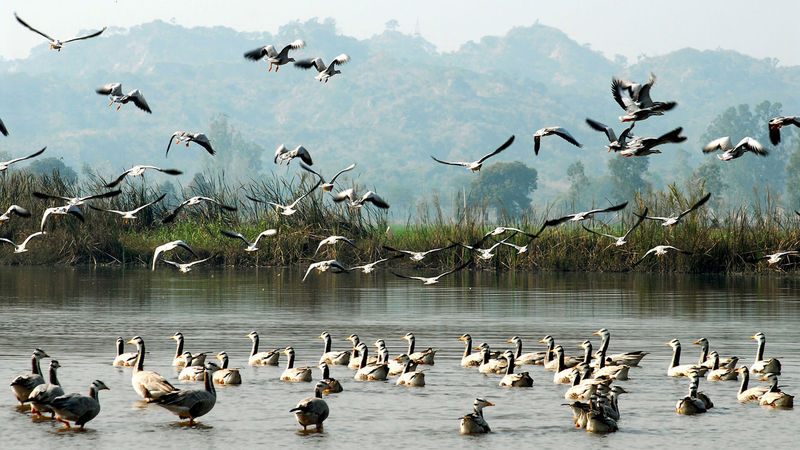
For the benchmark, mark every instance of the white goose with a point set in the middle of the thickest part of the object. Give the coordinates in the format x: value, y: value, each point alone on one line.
x: 22, y: 248
x: 272, y: 56
x: 130, y: 215
x: 5, y: 164
x: 251, y: 246
x: 761, y: 365
x: 139, y: 170
x: 325, y: 72
x: 169, y: 246
x: 730, y: 152
x: 56, y: 44
x: 475, y: 166
x: 114, y: 93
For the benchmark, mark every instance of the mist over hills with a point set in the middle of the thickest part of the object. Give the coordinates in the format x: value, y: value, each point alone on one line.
x: 396, y: 103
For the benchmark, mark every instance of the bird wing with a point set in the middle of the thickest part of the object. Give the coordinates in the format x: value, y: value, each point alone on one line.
x: 310, y: 268
x: 232, y: 234
x: 101, y: 195
x: 774, y: 135
x: 566, y: 136
x: 455, y: 269
x: 25, y: 242
x: 599, y: 234
x: 643, y: 97
x: 340, y: 60
x: 26, y: 157
x: 617, y: 86
x: 723, y: 143
x: 559, y: 221
x: 626, y: 133
x: 171, y: 216
x: 604, y: 128
x: 296, y: 45
x: 407, y: 252
x: 346, y: 194
x: 374, y: 199
x: 423, y: 279
x: 673, y: 137
x: 172, y: 263
x: 95, y: 34
x: 177, y: 133
x: 751, y: 145
x: 346, y: 169
x: 9, y: 241
x: 645, y: 256
x: 309, y: 63
x: 18, y: 210
x: 122, y: 213
x: 121, y: 177
x: 304, y: 155
x: 434, y: 250
x: 110, y: 89
x: 451, y: 163
x: 537, y: 143
x: 147, y: 204
x: 42, y: 195
x: 186, y: 246
x: 699, y: 203
x: 505, y: 145
x: 197, y: 262
x: 258, y: 53
x: 254, y: 199
x: 278, y: 152
x: 138, y: 99
x: 202, y: 140
x: 32, y: 29
x: 306, y: 194
x: 265, y: 233
x: 638, y: 222
x: 3, y: 129
x: 166, y: 171
x: 218, y: 203
x: 609, y: 209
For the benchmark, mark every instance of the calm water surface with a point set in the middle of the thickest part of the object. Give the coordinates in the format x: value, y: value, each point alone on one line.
x: 76, y: 314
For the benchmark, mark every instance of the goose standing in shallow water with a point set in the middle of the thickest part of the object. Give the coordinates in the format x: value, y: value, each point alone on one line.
x: 761, y: 365
x: 42, y: 395
x: 749, y: 394
x: 225, y: 375
x: 474, y: 423
x: 149, y: 385
x: 424, y: 357
x: 312, y: 410
x: 124, y: 358
x: 24, y: 384
x: 511, y: 379
x: 257, y: 358
x: 332, y: 357
x: 334, y: 387
x: 78, y: 408
x: 191, y: 404
x: 774, y: 396
x: 292, y: 373
x: 675, y: 368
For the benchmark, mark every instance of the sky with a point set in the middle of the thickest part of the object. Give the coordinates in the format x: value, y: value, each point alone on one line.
x: 628, y: 28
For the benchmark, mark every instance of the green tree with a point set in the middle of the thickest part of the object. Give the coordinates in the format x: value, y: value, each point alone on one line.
x: 505, y: 186
x: 709, y: 175
x: 46, y: 166
x: 237, y: 157
x: 579, y: 188
x: 627, y: 176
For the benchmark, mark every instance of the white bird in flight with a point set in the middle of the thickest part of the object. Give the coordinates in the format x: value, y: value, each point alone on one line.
x: 370, y: 267
x: 186, y: 136
x: 660, y: 250
x: 272, y: 56
x: 61, y: 211
x: 284, y: 154
x: 433, y: 280
x: 673, y: 220
x: 287, y: 210
x: 185, y: 267
x: 169, y: 246
x: 251, y: 246
x: 324, y: 72
x: 21, y: 247
x: 56, y: 44
x: 136, y: 171
x: 776, y: 257
x: 577, y: 217
x: 730, y: 152
x: 130, y: 215
x: 327, y: 186
x: 558, y: 131
x: 418, y: 256
x: 114, y: 93
x: 196, y: 201
x: 475, y: 166
x: 324, y: 266
x: 76, y: 201
x: 331, y: 240
x: 4, y: 164
x: 14, y: 209
x: 621, y: 240
x: 357, y: 202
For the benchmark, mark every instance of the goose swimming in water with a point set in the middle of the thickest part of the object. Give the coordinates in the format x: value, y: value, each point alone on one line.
x: 557, y: 131
x: 78, y: 408
x: 180, y: 359
x: 469, y: 359
x: 749, y: 394
x: 186, y: 136
x: 24, y: 384
x: 272, y: 56
x: 191, y: 404
x: 761, y: 365
x: 56, y: 44
x: 334, y: 387
x: 325, y: 72
x: 475, y: 166
x: 524, y: 358
x: 191, y: 372
x: 424, y: 357
x: 257, y: 358
x: 511, y: 379
x: 367, y: 371
x: 114, y: 93
x: 292, y: 373
x: 225, y: 375
x: 123, y: 358
x: 149, y: 385
x: 774, y: 396
x: 409, y: 376
x: 474, y: 423
x: 334, y: 358
x: 727, y: 373
x: 691, y: 404
x: 629, y: 358
x: 312, y: 410
x: 5, y: 164
x: 490, y: 363
x: 675, y: 368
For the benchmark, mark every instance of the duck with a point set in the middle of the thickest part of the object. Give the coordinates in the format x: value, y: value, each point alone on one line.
x: 424, y: 357
x: 410, y: 376
x: 761, y: 365
x: 148, y: 384
x: 191, y: 372
x: 511, y: 379
x: 469, y: 359
x: 191, y: 404
x: 618, y: 372
x: 257, y: 358
x: 691, y: 404
x: 333, y: 358
x: 312, y: 410
x: 719, y: 373
x: 181, y: 359
x: 224, y: 375
x: 292, y: 373
x: 334, y: 387
x: 23, y: 385
x: 474, y: 423
x: 78, y: 408
x: 42, y: 395
x: 774, y: 396
x: 355, y: 356
x: 675, y: 368
x: 745, y: 393
x: 489, y: 364
x: 628, y: 358
x: 370, y: 372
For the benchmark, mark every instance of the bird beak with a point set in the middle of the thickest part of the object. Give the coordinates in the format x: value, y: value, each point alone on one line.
x: 752, y: 337
x: 477, y: 348
x: 510, y: 341
x: 130, y: 342
x: 489, y: 404
x: 596, y: 333
x: 667, y: 344
x: 462, y: 338
x: 696, y: 342
x: 403, y: 338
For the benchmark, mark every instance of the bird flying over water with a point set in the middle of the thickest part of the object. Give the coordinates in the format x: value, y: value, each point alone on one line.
x: 476, y: 165
x: 187, y: 136
x: 284, y: 154
x: 136, y: 171
x: 325, y: 72
x: 273, y: 57
x: 130, y: 215
x: 21, y: 247
x: 558, y: 131
x: 621, y: 240
x: 61, y: 211
x: 775, y: 125
x: 169, y: 246
x: 186, y: 267
x: 660, y: 250
x: 673, y: 220
x: 4, y: 164
x: 635, y: 99
x: 327, y: 186
x: 195, y: 201
x: 776, y: 257
x: 730, y: 152
x: 114, y: 93
x: 14, y: 209
x: 418, y: 256
x: 251, y: 246
x: 287, y: 210
x: 56, y: 44
x: 433, y: 280
x: 576, y: 217
x: 331, y: 240
x: 324, y: 266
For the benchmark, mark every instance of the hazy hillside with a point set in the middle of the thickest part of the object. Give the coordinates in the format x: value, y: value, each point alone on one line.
x: 396, y: 103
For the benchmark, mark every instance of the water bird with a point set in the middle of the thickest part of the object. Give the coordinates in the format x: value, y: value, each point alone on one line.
x: 577, y: 217
x: 139, y: 170
x: 615, y: 372
x: 671, y: 221
x: 130, y: 215
x: 284, y: 154
x: 474, y: 422
x: 484, y: 253
x: 334, y: 358
x: 251, y: 246
x: 676, y: 369
x: 186, y: 267
x: 660, y: 250
x: 191, y: 372
x: 599, y: 423
x: 312, y: 410
x: 775, y: 125
x: 621, y: 240
x: 3, y: 129
x: 643, y: 146
x: 327, y: 185
x: 424, y: 357
x: 291, y: 208
x: 78, y: 408
x: 225, y: 375
x: 557, y: 131
x: 511, y: 379
x: 196, y: 200
x: 292, y: 373
x: 124, y: 358
x: 727, y: 373
x: 370, y: 267
x: 114, y: 93
x: 730, y: 152
x: 409, y: 376
x: 433, y: 280
x: 57, y: 211
x: 324, y: 72
x: 180, y: 359
x: 491, y: 362
x: 355, y: 355
x: 21, y: 248
x: 332, y: 240
x: 268, y: 358
x: 475, y: 166
x: 499, y: 231
x: 635, y: 99
x: 5, y: 164
x: 76, y: 201
x: 169, y: 246
x: 614, y: 143
x: 418, y: 256
x: 369, y: 371
x: 357, y: 202
x: 148, y: 384
x: 761, y: 365
x: 691, y: 404
x: 24, y: 384
x: 775, y: 258
x: 774, y: 396
x: 191, y: 404
x: 524, y: 358
x: 272, y: 56
x: 632, y: 358
x: 42, y: 395
x: 469, y: 359
x: 56, y: 44
x: 334, y: 387
x: 187, y: 136
x: 551, y: 363
x: 324, y: 266
x: 749, y: 394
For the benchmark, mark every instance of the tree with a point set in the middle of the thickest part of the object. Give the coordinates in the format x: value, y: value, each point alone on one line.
x: 46, y: 166
x: 237, y: 157
x: 627, y: 176
x: 505, y: 186
x: 578, y: 193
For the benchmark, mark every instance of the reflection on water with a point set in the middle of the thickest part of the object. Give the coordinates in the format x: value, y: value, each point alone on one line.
x: 76, y: 313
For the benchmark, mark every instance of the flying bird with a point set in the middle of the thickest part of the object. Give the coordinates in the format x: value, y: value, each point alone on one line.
x: 370, y: 267
x: 498, y: 231
x: 476, y: 165
x: 185, y: 267
x: 114, y: 93
x: 357, y: 202
x: 433, y: 280
x: 169, y: 246
x: 327, y: 186
x: 418, y: 256
x: 485, y: 253
x: 558, y: 131
x: 660, y: 250
x: 287, y: 210
x: 637, y: 103
x: 4, y: 164
x: 61, y: 211
x: 673, y: 220
x: 56, y: 44
x: 186, y: 136
x: 284, y: 154
x: 273, y: 57
x: 21, y: 247
x: 136, y: 171
x: 195, y: 201
x: 614, y: 143
x: 775, y: 125
x: 577, y: 217
x: 324, y: 266
x: 621, y: 240
x: 251, y: 246
x: 331, y: 240
x: 643, y: 146
x: 76, y: 201
x: 3, y: 129
x: 130, y: 215
x: 730, y: 152
x: 14, y: 209
x: 325, y: 72
x: 776, y: 257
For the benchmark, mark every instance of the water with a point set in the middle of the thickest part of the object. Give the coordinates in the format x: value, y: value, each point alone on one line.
x: 76, y: 314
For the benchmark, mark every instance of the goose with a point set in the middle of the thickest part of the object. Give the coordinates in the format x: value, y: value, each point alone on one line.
x: 291, y: 208
x: 635, y: 99
x: 130, y: 215
x: 675, y: 368
x: 169, y: 246
x: 418, y: 256
x: 776, y: 257
x: 469, y: 359
x: 691, y: 404
x: 629, y: 358
x: 563, y: 374
x: 186, y: 136
x: 671, y: 221
x: 583, y: 385
x: 488, y: 363
x: 327, y: 185
x: 292, y: 373
x: 621, y: 240
x: 191, y: 404
x: 599, y: 423
x: 56, y: 44
x: 191, y: 372
x: 24, y: 384
x: 774, y: 396
x: 272, y: 56
x: 5, y: 164
x: 474, y: 423
x: 333, y: 358
x: 186, y: 267
x: 57, y: 211
x: 312, y: 410
x: 139, y: 170
x: 195, y: 201
x: 334, y: 387
x: 149, y: 385
x: 614, y: 143
x: 180, y: 359
x: 409, y: 376
x: 13, y: 209
x: 356, y: 202
x: 706, y: 359
x: 524, y: 358
x: 730, y: 152
x: 425, y: 357
x: 284, y: 154
x: 577, y: 217
x: 22, y: 248
x: 427, y: 281
x: 558, y: 131
x: 355, y: 356
x: 746, y: 394
x: 511, y: 379
x: 114, y: 93
x: 78, y: 408
x: 225, y: 375
x: 660, y: 250
x: 124, y: 359
x: 484, y: 253
x: 370, y: 267
x: 251, y: 246
x: 611, y: 408
x: 325, y: 72
x: 475, y: 166
x: 324, y: 266
x: 370, y: 372
x: 76, y: 201
x: 551, y: 363
x: 761, y: 365
x: 580, y: 411
x: 3, y: 129
x: 498, y: 231
x: 257, y: 358
x: 42, y: 395
x: 398, y: 364
x: 333, y: 240
x: 727, y: 373
x: 643, y: 146
x: 616, y: 372
x: 775, y: 125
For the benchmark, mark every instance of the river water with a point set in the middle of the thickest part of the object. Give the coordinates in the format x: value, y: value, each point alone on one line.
x: 75, y: 315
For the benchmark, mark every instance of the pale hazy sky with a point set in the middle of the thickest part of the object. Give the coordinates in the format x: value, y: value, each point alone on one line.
x: 630, y: 28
